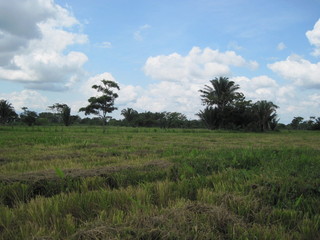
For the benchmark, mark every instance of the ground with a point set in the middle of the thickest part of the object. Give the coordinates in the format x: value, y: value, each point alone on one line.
x: 138, y: 183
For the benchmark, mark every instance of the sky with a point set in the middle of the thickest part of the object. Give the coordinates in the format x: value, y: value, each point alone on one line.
x: 160, y: 52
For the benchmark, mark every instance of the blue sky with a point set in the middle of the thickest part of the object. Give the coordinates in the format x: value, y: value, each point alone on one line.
x: 160, y: 52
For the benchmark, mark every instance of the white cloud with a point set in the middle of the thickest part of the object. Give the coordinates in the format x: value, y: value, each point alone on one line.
x: 258, y: 88
x: 301, y: 71
x: 184, y: 97
x: 26, y: 98
x: 290, y: 100
x: 137, y: 35
x: 314, y: 38
x: 163, y: 96
x: 168, y: 96
x: 281, y: 46
x: 253, y: 65
x: 198, y: 66
x: 39, y: 58
x: 128, y: 94
x: 86, y: 87
x: 180, y: 78
x: 315, y: 98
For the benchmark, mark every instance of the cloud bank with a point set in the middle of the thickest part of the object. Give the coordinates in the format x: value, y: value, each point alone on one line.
x: 197, y: 66
x: 314, y: 38
x: 33, y: 45
x: 298, y: 70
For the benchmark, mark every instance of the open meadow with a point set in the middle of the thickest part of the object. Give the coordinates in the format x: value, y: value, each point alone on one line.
x: 149, y: 183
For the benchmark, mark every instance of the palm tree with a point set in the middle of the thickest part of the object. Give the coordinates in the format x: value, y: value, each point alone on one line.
x: 211, y: 117
x: 265, y: 113
x: 221, y: 93
x: 7, y: 113
x: 129, y: 114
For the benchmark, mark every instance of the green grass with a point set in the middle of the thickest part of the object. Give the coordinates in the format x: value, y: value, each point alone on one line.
x: 139, y: 183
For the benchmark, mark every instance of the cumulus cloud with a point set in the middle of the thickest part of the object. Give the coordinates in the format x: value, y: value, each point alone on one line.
x: 257, y: 88
x: 198, y: 66
x: 180, y: 78
x: 185, y: 97
x: 170, y: 96
x: 162, y: 96
x: 291, y: 101
x: 26, y: 98
x: 86, y: 87
x: 314, y: 38
x: 128, y: 94
x: 33, y: 45
x: 300, y: 71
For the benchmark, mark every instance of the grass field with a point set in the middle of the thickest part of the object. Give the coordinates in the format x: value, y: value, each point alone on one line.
x: 136, y: 183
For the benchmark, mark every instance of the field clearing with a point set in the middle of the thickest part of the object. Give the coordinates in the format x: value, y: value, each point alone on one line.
x: 139, y: 183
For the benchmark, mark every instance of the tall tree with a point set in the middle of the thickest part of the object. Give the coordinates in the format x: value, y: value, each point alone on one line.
x: 104, y: 104
x: 63, y: 112
x: 129, y: 114
x: 316, y: 124
x: 220, y: 99
x: 66, y: 115
x: 28, y: 117
x: 210, y: 117
x: 221, y: 93
x: 296, y: 122
x: 265, y: 113
x: 7, y: 113
x: 173, y: 120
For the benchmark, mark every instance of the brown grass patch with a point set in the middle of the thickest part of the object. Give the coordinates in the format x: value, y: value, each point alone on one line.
x: 192, y: 220
x: 51, y: 175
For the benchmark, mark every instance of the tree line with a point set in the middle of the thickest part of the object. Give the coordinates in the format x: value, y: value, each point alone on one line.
x: 60, y: 115
x: 298, y: 123
x: 224, y: 108
x: 227, y: 108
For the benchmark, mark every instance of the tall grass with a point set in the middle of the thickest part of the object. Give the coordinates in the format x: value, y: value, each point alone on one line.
x: 132, y: 183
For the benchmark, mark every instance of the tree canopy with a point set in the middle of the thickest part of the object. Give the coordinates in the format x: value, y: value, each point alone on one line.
x: 103, y: 104
x: 7, y: 112
x: 221, y: 93
x: 64, y: 112
x: 28, y: 117
x: 227, y: 108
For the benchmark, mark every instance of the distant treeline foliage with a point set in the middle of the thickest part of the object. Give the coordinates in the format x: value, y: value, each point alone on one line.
x: 60, y: 115
x: 225, y: 108
x: 298, y: 123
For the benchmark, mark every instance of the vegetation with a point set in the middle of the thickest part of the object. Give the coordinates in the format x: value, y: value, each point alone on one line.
x: 7, y: 113
x: 104, y: 104
x: 222, y: 93
x: 312, y: 124
x: 265, y: 113
x: 63, y: 112
x: 158, y: 119
x: 148, y: 183
x: 177, y: 182
x: 227, y: 109
x: 129, y: 115
x: 28, y: 117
